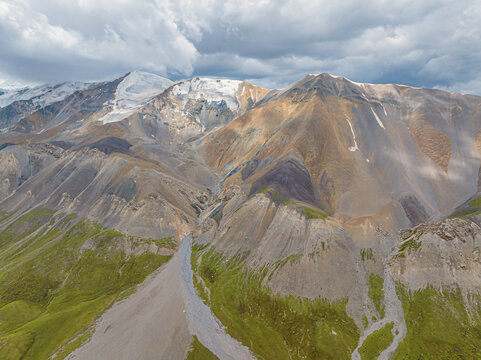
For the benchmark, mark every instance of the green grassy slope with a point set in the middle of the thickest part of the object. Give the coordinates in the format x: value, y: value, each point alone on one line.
x: 439, y: 326
x: 57, y: 275
x: 473, y: 209
x: 376, y: 343
x: 200, y: 352
x: 273, y: 327
x: 376, y: 292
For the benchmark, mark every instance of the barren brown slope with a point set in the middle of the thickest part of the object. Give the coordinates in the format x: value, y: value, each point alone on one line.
x: 352, y: 149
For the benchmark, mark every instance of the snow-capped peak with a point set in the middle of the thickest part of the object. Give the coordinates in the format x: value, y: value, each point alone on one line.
x: 140, y: 86
x: 135, y: 90
x: 212, y: 90
x: 42, y: 95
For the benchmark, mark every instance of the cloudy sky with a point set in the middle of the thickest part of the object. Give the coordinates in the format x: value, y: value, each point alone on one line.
x: 428, y: 43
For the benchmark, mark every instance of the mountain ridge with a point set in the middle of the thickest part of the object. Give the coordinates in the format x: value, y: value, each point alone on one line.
x: 317, y: 201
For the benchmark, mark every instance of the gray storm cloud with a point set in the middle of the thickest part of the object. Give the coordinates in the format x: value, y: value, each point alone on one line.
x: 272, y: 43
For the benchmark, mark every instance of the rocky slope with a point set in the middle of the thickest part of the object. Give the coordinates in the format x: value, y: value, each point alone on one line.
x: 443, y: 254
x: 322, y: 205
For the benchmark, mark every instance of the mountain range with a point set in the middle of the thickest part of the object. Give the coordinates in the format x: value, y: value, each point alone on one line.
x: 142, y: 218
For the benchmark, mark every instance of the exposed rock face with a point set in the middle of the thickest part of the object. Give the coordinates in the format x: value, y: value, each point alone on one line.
x: 413, y: 209
x: 120, y: 192
x: 13, y: 113
x: 432, y: 142
x: 306, y: 255
x: 441, y: 254
x: 291, y: 179
x: 111, y: 144
x: 77, y: 108
x: 19, y: 163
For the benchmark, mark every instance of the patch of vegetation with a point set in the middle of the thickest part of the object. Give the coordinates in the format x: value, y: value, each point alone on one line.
x: 198, y: 281
x: 271, y: 193
x: 56, y: 283
x: 287, y: 201
x: 376, y: 343
x: 474, y: 209
x: 74, y: 343
x: 312, y: 213
x: 169, y: 242
x: 236, y: 210
x: 284, y: 261
x: 303, y: 208
x: 281, y: 263
x: 439, y: 326
x: 476, y: 203
x: 24, y: 226
x: 17, y: 313
x: 5, y: 216
x: 200, y: 352
x: 464, y: 213
x: 411, y: 244
x: 281, y: 197
x: 364, y: 320
x: 274, y: 327
x: 376, y: 293
x: 15, y: 346
x: 199, y: 287
x: 209, y: 272
x: 366, y: 254
x: 26, y: 248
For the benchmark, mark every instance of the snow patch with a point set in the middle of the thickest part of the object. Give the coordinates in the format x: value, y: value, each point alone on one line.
x: 211, y: 90
x: 377, y: 119
x: 135, y: 90
x: 352, y: 82
x: 355, y: 147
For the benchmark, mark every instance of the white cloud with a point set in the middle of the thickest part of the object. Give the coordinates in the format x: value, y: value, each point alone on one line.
x: 431, y: 43
x: 124, y: 35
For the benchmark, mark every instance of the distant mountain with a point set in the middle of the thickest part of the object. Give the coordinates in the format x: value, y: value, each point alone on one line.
x: 329, y: 219
x: 44, y: 95
x: 18, y: 103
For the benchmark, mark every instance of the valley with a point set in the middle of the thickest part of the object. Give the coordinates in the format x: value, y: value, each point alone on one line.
x: 212, y: 218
